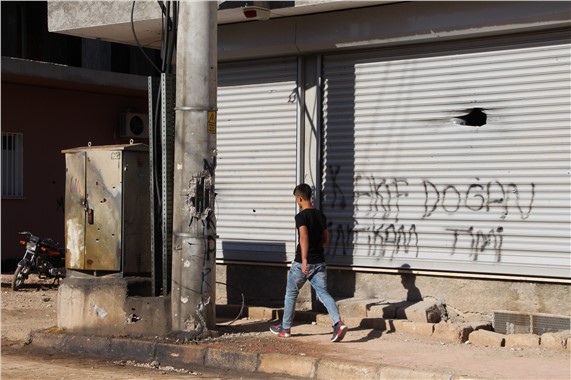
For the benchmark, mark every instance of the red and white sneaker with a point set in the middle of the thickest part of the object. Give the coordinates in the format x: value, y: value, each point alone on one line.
x: 280, y: 331
x: 339, y: 331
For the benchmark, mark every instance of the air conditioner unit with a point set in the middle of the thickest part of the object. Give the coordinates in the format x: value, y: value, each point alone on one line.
x: 133, y: 125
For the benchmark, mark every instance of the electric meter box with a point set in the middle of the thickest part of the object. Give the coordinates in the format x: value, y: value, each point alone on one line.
x: 107, y: 215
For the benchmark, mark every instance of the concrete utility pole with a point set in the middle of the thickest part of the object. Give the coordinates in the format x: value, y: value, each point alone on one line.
x: 194, y: 226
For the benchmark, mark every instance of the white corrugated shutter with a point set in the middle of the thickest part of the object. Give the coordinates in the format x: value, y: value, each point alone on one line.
x: 256, y: 164
x: 408, y: 182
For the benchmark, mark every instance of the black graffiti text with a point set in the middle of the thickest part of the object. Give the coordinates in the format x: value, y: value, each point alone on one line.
x: 388, y: 239
x: 337, y: 190
x: 479, y: 197
x: 342, y: 238
x: 382, y: 195
x: 477, y: 241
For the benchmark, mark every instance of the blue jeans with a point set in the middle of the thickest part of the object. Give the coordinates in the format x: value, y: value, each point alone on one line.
x: 318, y: 279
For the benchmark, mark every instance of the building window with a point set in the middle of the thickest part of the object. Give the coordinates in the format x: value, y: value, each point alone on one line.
x: 12, y: 165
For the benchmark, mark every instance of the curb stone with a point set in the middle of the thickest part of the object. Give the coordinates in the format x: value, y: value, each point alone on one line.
x: 522, y: 340
x: 83, y: 345
x: 300, y: 366
x: 347, y: 370
x: 142, y: 351
x: 220, y: 358
x: 183, y: 355
x: 485, y: 338
x: 180, y: 356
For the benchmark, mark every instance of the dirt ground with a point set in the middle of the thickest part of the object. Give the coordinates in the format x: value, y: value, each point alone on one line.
x: 31, y: 308
x: 34, y: 307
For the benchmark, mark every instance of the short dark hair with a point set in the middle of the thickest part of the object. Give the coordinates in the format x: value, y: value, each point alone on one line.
x: 303, y: 191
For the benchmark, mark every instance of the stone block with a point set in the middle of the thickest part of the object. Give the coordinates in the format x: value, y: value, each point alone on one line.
x: 299, y: 366
x: 386, y: 310
x: 452, y: 332
x: 374, y: 323
x: 408, y: 327
x: 522, y: 340
x: 391, y: 373
x: 350, y: 322
x: 486, y: 338
x: 92, y: 306
x: 400, y: 308
x: 100, y: 346
x: 353, y: 307
x: 425, y: 329
x: 130, y: 349
x: 220, y: 358
x: 425, y: 311
x: 100, y: 306
x: 555, y: 340
x: 266, y: 313
x: 179, y: 355
x: 48, y: 341
x: 399, y: 325
x: 346, y: 370
x: 147, y: 315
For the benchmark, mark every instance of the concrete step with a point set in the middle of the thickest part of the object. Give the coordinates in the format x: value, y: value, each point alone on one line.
x: 443, y: 331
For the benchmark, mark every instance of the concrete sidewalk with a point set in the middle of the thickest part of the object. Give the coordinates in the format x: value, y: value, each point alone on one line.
x: 365, y: 353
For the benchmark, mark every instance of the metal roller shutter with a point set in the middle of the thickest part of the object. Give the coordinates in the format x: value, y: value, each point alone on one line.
x: 256, y: 165
x: 455, y: 161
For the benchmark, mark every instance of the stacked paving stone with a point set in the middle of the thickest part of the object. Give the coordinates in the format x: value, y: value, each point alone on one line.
x: 426, y: 318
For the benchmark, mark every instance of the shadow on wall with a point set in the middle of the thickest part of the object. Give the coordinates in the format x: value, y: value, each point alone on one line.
x: 338, y: 188
x: 261, y: 286
x: 408, y: 281
x: 396, y: 310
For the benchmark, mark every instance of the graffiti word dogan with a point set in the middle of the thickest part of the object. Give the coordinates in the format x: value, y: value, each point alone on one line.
x: 478, y: 197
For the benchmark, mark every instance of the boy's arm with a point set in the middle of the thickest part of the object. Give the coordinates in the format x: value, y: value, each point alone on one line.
x: 325, y: 237
x: 304, y: 246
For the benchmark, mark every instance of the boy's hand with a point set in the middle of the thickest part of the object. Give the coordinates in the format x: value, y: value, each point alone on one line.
x: 305, y: 267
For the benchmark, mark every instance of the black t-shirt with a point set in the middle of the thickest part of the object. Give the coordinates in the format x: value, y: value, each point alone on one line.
x: 316, y: 223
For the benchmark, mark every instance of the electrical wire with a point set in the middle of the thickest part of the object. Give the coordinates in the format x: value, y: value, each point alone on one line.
x: 168, y: 39
x: 137, y: 39
x: 243, y: 302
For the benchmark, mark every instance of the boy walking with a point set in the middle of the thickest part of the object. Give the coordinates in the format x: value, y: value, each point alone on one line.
x: 309, y: 265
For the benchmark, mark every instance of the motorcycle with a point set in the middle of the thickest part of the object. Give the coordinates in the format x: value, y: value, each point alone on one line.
x: 43, y: 257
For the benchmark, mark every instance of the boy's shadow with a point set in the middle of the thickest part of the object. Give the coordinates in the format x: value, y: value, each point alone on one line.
x: 408, y: 281
x: 372, y: 334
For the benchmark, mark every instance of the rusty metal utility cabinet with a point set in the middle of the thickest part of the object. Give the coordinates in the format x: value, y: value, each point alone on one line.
x: 107, y: 216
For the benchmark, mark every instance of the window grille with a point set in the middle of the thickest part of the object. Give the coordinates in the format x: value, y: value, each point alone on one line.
x: 12, y: 165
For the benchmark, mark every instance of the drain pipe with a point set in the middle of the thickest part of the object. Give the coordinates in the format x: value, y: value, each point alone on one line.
x: 194, y: 226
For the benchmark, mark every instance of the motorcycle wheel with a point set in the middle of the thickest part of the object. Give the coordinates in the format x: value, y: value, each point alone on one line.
x: 19, y: 278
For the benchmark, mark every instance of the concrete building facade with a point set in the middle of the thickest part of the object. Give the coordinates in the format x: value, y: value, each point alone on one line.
x: 59, y: 92
x: 435, y: 134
